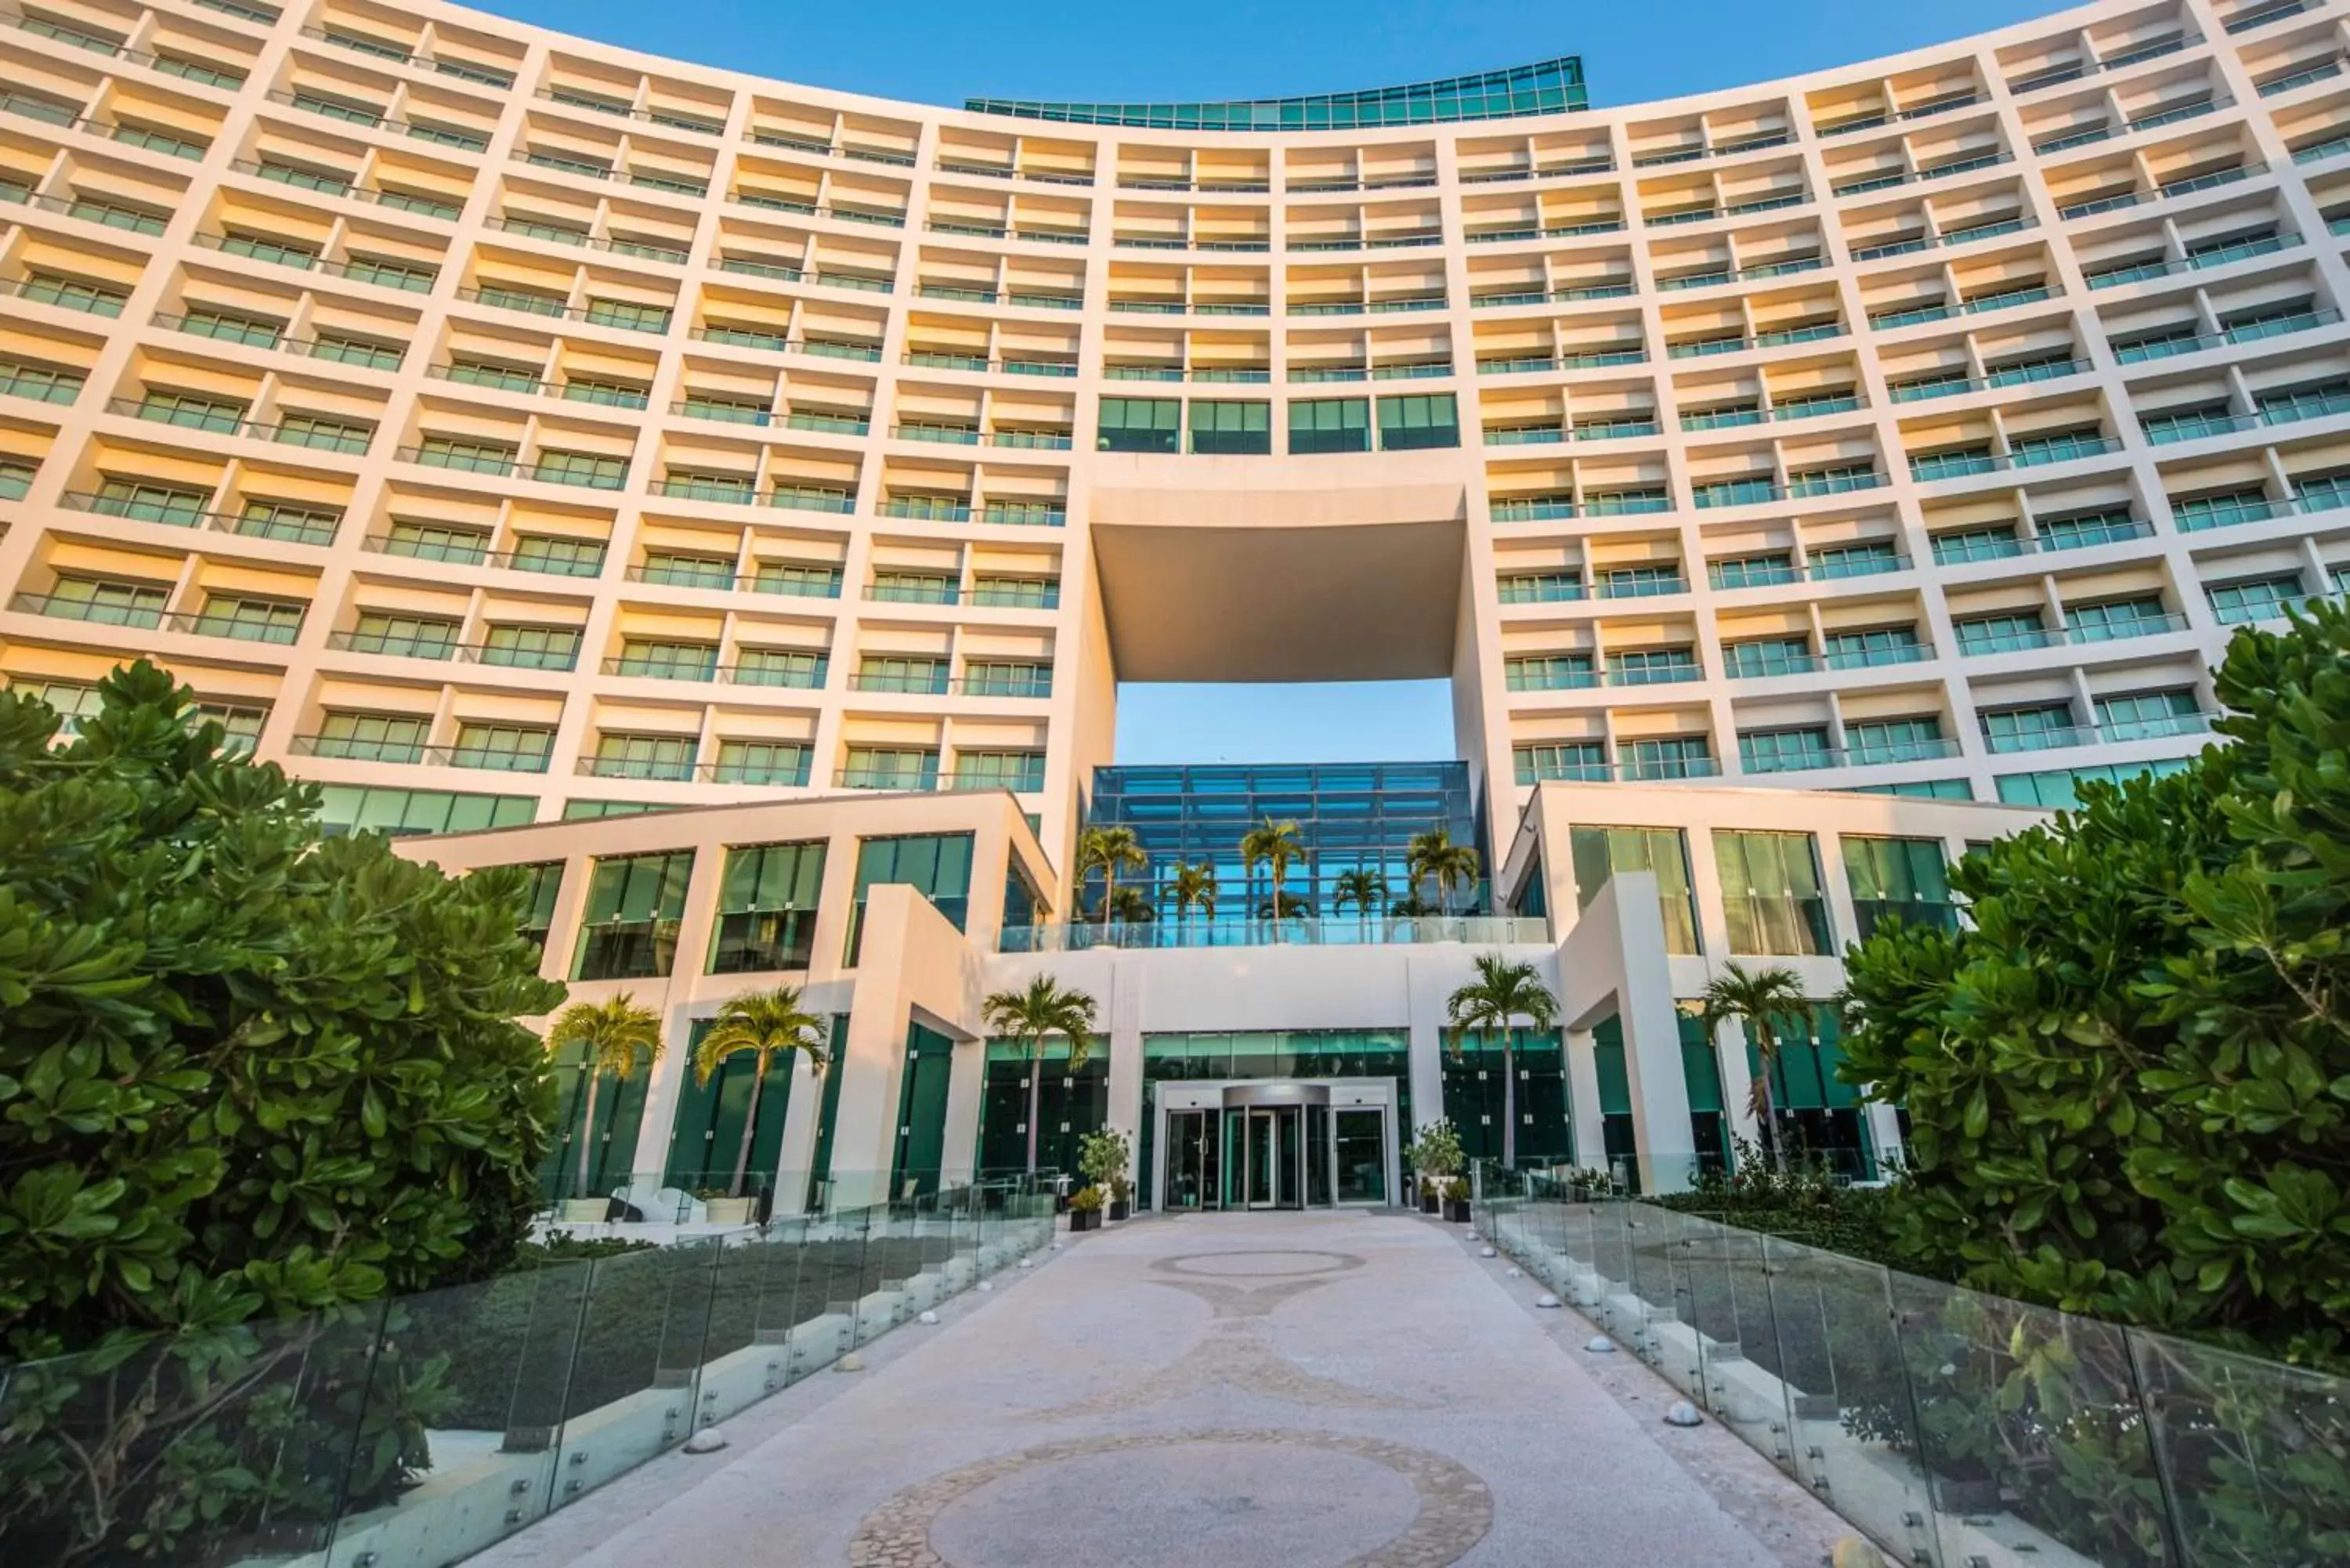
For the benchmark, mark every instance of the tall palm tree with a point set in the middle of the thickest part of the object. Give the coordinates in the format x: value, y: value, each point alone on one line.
x: 1434, y: 856
x: 1044, y: 1009
x: 1194, y: 885
x: 1502, y: 990
x: 1274, y: 845
x: 765, y: 1025
x: 1108, y: 850
x: 1364, y: 888
x: 1760, y: 1001
x: 1129, y: 904
x: 611, y: 1036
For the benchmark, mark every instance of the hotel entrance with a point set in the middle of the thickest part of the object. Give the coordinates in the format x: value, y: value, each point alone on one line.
x: 1261, y: 1144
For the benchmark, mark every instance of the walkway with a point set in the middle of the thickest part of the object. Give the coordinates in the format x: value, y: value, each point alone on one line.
x: 1217, y: 1391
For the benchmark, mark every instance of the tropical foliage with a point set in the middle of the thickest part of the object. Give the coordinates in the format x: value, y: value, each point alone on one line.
x: 1032, y: 1015
x: 1504, y: 991
x: 1109, y: 850
x: 2129, y: 1084
x: 1762, y: 1003
x: 1362, y: 886
x: 254, y: 1075
x: 613, y: 1036
x: 1275, y: 845
x: 763, y: 1026
x: 1434, y: 857
x: 1193, y: 887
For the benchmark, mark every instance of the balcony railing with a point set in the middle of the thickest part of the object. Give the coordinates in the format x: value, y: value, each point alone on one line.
x: 1302, y: 930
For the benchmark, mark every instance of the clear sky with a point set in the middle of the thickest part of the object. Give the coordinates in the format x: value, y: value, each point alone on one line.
x: 933, y: 52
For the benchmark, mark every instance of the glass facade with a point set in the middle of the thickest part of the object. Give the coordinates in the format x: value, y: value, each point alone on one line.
x: 1900, y: 876
x: 1544, y: 87
x: 1472, y: 1072
x: 634, y: 905
x: 1770, y: 893
x: 936, y: 865
x: 1601, y: 852
x: 1349, y: 817
x: 767, y: 907
x: 1207, y: 1164
x: 1071, y: 1103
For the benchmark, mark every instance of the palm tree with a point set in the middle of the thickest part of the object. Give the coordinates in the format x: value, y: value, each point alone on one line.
x: 1363, y: 888
x: 766, y: 1024
x: 1108, y: 850
x: 611, y: 1036
x: 1759, y: 1001
x: 1046, y: 1008
x: 1273, y: 845
x: 1502, y: 990
x: 1194, y: 885
x: 1434, y: 857
x: 1129, y: 904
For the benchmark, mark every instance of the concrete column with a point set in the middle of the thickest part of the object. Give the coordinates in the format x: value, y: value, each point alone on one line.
x: 1583, y: 1101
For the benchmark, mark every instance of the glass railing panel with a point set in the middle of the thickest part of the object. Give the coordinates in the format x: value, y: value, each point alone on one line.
x: 632, y: 1386
x: 2029, y: 1426
x: 2248, y: 1453
x: 1854, y: 1434
x: 489, y: 1453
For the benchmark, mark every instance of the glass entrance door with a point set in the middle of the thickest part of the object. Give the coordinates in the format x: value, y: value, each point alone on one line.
x: 1271, y: 1149
x: 1194, y: 1162
x: 1360, y: 1141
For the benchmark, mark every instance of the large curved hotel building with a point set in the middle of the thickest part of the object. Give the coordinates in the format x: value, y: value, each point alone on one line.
x: 512, y: 433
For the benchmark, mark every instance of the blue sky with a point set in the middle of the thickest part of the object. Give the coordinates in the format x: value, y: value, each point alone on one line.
x: 940, y: 53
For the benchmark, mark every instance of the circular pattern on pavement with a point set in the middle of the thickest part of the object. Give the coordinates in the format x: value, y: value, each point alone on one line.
x: 1303, y: 1500
x: 1257, y: 1264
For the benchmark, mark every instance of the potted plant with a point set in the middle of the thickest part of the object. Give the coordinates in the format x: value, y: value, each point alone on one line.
x: 1434, y: 1157
x: 1086, y: 1209
x: 718, y: 1208
x: 1103, y: 1157
x: 1456, y: 1203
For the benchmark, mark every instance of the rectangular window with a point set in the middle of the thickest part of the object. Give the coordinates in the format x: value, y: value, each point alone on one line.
x: 1241, y: 429
x: 1752, y: 571
x: 2116, y: 619
x: 2148, y: 715
x: 437, y: 541
x: 503, y: 748
x: 629, y: 930
x: 1549, y: 672
x: 592, y: 470
x: 531, y: 647
x: 2031, y: 728
x: 668, y: 660
x: 403, y: 636
x: 396, y: 812
x: 1766, y: 657
x: 1019, y: 771
x: 2008, y: 633
x: 2255, y: 598
x: 1796, y: 750
x: 1419, y: 421
x: 891, y: 767
x: 797, y: 580
x: 1900, y: 876
x: 669, y: 757
x: 1872, y: 740
x: 1651, y: 666
x: 1330, y: 424
x: 371, y: 737
x: 1600, y: 852
x: 783, y: 763
x: 1140, y: 424
x: 556, y: 556
x: 768, y: 909
x: 1562, y: 760
x: 1667, y: 757
x: 1771, y: 892
x: 937, y: 866
x: 251, y: 619
x: 778, y: 667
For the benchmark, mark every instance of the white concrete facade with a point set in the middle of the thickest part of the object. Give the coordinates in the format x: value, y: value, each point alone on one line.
x: 1608, y: 957
x: 509, y: 426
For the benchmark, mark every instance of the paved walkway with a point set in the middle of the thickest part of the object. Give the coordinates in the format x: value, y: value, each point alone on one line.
x: 1217, y: 1391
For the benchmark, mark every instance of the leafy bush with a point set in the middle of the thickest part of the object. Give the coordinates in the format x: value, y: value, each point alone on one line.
x: 1435, y: 1151
x: 254, y: 1075
x: 1801, y: 1201
x: 2129, y: 1084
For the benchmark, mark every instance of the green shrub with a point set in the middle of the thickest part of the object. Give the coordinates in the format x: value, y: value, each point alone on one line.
x: 2129, y: 1084
x: 255, y: 1076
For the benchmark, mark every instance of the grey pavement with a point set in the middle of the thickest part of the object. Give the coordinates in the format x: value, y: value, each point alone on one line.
x: 1315, y: 1390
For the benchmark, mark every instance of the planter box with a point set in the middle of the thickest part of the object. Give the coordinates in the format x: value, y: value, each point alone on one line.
x: 1977, y: 1495
x: 583, y: 1210
x: 1084, y: 1219
x: 728, y: 1211
x: 1456, y: 1211
x: 1120, y: 1209
x: 1430, y: 1204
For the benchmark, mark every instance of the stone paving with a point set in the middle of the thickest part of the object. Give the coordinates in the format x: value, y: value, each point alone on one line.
x: 1322, y: 1390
